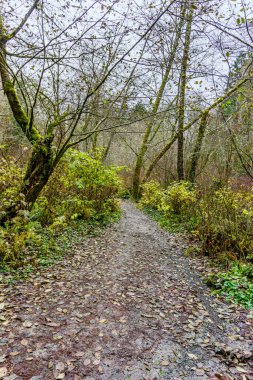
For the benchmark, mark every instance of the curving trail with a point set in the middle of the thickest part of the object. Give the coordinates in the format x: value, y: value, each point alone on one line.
x: 124, y: 306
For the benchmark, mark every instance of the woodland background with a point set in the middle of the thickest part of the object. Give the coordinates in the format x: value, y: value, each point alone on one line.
x: 144, y: 99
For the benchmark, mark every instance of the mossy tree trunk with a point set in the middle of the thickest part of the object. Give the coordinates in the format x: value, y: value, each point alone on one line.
x: 41, y: 163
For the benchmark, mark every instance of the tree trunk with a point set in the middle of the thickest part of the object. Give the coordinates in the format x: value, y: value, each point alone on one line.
x: 148, y: 132
x: 38, y: 171
x: 41, y: 163
x: 198, y: 146
x: 183, y: 79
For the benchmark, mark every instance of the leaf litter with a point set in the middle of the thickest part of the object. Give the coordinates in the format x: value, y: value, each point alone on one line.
x: 124, y: 305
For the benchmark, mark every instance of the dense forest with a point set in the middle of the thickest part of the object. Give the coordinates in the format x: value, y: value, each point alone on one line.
x: 147, y: 100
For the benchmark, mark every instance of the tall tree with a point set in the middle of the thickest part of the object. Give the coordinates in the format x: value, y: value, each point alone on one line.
x: 182, y: 90
x: 148, y: 135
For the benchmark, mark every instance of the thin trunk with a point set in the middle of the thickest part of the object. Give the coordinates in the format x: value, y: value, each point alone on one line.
x: 108, y: 147
x: 145, y: 142
x: 198, y: 147
x: 182, y: 90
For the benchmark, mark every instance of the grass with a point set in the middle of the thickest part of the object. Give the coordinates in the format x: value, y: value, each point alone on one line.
x: 171, y: 223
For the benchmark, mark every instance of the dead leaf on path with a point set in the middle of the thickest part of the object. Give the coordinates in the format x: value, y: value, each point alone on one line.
x: 79, y: 354
x: 2, y: 305
x: 164, y: 363
x: 86, y: 362
x: 200, y: 372
x: 3, y: 371
x: 53, y: 324
x: 57, y: 337
x: 241, y: 370
x: 192, y: 356
x: 2, y: 358
x: 59, y: 376
x: 97, y: 355
x: 27, y: 324
x: 24, y: 342
x: 14, y: 353
x: 60, y: 366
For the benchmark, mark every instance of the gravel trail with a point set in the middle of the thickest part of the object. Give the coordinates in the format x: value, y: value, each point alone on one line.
x: 127, y: 305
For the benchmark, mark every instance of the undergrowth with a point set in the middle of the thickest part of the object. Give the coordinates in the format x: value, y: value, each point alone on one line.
x: 51, y: 247
x: 235, y: 284
x: 222, y: 223
x: 80, y: 189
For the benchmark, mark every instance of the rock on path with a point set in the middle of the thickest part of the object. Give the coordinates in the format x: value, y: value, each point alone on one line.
x: 124, y: 306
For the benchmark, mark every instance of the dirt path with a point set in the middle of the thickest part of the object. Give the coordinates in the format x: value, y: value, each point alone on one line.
x: 125, y: 306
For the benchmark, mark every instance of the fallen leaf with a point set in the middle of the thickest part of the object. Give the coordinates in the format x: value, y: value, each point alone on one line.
x: 2, y: 358
x: 59, y: 376
x: 27, y: 324
x: 14, y: 353
x: 60, y: 366
x: 53, y: 324
x: 199, y: 372
x: 3, y: 371
x: 241, y: 370
x: 79, y: 354
x: 192, y: 356
x: 57, y: 337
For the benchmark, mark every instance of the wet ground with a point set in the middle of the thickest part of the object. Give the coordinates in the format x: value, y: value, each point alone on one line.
x: 127, y: 305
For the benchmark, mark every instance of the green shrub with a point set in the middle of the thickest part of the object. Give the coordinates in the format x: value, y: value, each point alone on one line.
x: 80, y: 188
x: 235, y: 284
x: 10, y: 178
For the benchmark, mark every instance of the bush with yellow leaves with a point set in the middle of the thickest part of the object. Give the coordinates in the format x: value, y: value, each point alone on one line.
x: 226, y: 223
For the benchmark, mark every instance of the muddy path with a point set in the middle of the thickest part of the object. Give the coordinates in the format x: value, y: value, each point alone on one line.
x: 127, y: 305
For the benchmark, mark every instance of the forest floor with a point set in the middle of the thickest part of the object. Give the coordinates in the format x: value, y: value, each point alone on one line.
x: 127, y: 305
